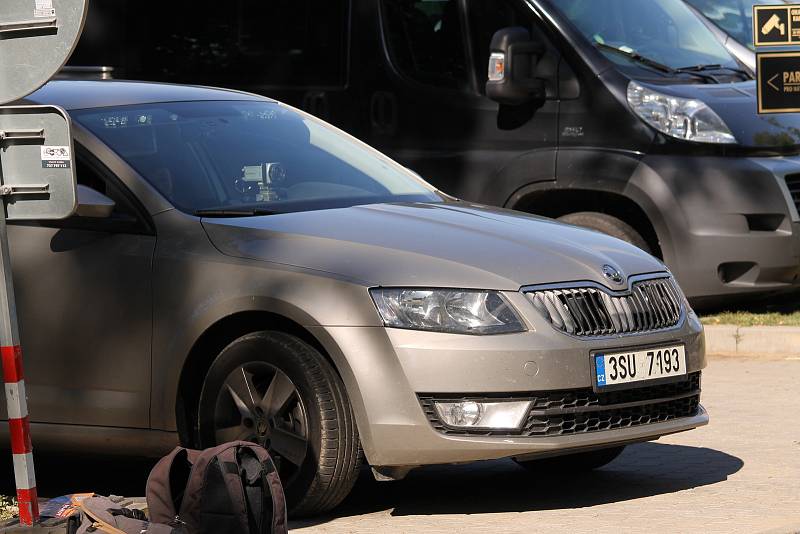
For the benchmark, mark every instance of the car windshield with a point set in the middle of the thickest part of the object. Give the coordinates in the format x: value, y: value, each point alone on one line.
x: 234, y: 156
x: 734, y: 17
x: 666, y: 32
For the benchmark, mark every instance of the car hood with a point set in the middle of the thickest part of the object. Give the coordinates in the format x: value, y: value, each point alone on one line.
x: 430, y: 245
x: 735, y: 103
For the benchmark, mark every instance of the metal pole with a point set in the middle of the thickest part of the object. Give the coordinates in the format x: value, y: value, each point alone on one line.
x: 15, y: 389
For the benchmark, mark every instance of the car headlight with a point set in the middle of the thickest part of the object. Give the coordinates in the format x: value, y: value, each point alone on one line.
x: 682, y: 118
x: 454, y: 311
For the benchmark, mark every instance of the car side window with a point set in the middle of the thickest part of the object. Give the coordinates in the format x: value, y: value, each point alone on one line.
x: 85, y: 175
x: 426, y: 41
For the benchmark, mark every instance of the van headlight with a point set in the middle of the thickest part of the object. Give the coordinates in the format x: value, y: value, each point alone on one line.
x: 682, y: 118
x: 455, y: 311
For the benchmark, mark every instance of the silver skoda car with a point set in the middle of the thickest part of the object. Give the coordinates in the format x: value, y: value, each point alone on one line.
x: 240, y: 270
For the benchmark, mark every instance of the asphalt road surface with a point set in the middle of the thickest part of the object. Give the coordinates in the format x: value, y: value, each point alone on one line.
x: 739, y: 474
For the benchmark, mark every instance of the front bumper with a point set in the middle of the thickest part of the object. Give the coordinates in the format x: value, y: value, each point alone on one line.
x: 387, y: 370
x: 430, y: 447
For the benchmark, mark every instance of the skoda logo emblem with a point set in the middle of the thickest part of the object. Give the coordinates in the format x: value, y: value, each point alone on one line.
x: 613, y: 274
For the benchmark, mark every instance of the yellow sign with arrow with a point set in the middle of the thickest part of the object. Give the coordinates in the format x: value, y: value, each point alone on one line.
x: 778, y: 82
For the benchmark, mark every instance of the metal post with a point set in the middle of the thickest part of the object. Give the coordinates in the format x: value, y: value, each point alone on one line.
x: 15, y: 388
x: 41, y: 39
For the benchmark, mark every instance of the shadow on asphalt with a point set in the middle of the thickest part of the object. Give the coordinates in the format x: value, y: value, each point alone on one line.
x: 502, y: 486
x: 485, y: 487
x: 60, y: 474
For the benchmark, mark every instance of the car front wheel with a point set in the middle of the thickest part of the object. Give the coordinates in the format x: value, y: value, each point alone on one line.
x: 608, y: 225
x: 276, y: 390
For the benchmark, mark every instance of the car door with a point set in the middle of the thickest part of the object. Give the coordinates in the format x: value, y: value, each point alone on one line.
x: 84, y: 303
x: 431, y: 112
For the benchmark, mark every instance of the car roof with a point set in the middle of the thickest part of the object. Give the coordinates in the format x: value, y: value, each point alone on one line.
x: 87, y: 94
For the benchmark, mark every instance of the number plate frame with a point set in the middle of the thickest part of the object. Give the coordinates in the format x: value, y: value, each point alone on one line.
x: 639, y: 383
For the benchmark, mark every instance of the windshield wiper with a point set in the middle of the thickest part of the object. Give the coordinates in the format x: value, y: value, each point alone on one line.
x: 233, y: 212
x: 652, y: 63
x: 715, y: 66
x: 636, y: 57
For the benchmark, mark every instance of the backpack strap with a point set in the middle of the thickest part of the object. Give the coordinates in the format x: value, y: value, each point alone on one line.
x: 259, y: 515
x: 272, y: 484
x: 232, y: 474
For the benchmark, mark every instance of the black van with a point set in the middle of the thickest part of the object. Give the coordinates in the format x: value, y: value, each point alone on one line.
x: 626, y: 116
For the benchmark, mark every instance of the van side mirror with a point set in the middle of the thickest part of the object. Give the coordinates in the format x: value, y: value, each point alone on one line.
x: 93, y: 204
x: 512, y: 64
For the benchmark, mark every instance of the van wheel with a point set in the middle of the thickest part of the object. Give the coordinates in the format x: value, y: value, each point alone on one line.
x: 276, y: 390
x: 572, y: 463
x: 608, y: 225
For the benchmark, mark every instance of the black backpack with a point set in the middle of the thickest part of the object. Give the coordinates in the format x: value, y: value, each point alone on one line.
x: 232, y: 488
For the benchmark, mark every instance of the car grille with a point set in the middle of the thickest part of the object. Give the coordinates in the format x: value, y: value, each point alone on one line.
x: 593, y: 311
x: 793, y: 183
x: 579, y: 411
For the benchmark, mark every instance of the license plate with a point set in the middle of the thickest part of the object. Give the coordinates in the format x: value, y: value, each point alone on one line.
x: 639, y: 365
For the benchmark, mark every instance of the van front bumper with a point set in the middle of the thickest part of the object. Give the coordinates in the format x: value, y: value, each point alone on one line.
x: 727, y: 226
x: 390, y: 371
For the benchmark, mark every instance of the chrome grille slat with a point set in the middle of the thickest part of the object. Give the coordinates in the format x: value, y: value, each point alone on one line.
x: 641, y: 312
x: 630, y: 324
x: 663, y: 306
x: 589, y: 311
x: 650, y: 320
x: 594, y: 322
x: 660, y: 316
x: 667, y: 305
x: 673, y: 298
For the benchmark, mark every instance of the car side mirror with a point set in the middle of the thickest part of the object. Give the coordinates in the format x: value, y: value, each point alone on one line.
x: 93, y: 204
x: 512, y: 65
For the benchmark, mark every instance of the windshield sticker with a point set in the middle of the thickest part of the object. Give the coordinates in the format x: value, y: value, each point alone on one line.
x: 55, y: 157
x: 44, y: 8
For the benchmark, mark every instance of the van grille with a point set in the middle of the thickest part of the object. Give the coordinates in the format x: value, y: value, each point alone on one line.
x: 579, y: 411
x: 593, y: 311
x: 793, y: 183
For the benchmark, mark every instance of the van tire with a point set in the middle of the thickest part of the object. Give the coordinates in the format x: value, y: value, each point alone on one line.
x: 608, y: 225
x: 333, y: 452
x: 572, y: 463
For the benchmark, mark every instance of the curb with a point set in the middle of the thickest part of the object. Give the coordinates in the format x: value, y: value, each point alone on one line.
x: 752, y: 340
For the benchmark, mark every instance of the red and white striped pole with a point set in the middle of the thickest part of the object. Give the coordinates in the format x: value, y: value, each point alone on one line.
x: 16, y: 400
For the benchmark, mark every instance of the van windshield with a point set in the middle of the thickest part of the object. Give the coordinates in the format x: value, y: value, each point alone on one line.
x: 666, y: 33
x: 734, y: 17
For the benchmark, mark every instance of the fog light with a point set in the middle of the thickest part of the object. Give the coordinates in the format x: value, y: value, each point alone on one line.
x: 473, y: 414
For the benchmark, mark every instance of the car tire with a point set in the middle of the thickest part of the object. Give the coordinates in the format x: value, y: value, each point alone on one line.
x: 318, y: 410
x: 608, y: 225
x: 572, y: 463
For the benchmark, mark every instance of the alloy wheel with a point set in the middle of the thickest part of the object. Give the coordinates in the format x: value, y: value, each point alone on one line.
x: 259, y: 403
